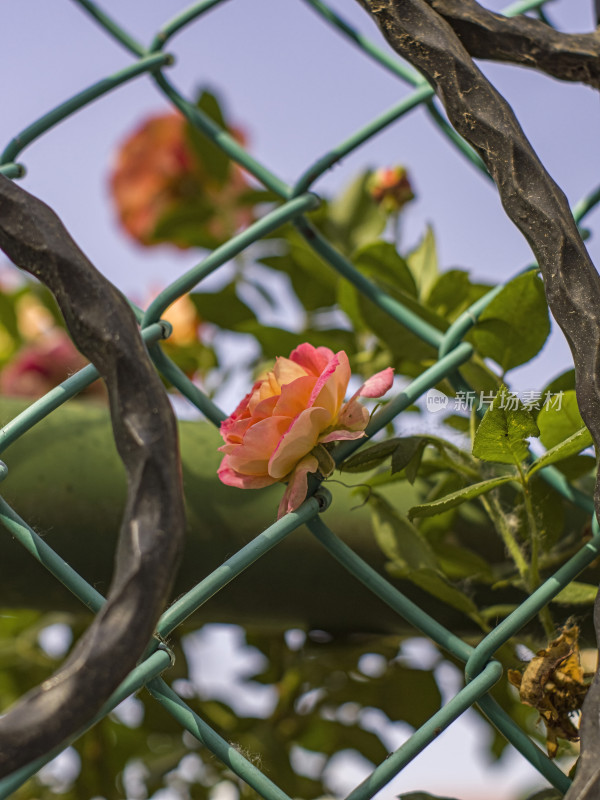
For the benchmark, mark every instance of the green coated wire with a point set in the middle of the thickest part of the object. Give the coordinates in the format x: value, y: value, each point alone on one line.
x: 587, y: 204
x: 267, y: 224
x: 112, y: 28
x: 84, y: 98
x: 533, y: 604
x: 182, y: 20
x: 235, y: 565
x: 420, y: 94
x: 49, y: 558
x: 519, y: 739
x: 427, y: 733
x: 169, y: 370
x: 392, y: 307
x: 222, y: 749
x: 149, y: 669
x: 384, y: 590
x: 60, y: 394
x: 223, y: 139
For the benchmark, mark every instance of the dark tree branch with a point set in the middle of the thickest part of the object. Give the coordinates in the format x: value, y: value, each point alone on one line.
x: 521, y: 40
x: 540, y: 210
x: 104, y: 329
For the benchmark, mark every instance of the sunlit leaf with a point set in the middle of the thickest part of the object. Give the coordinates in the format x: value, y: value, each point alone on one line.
x: 559, y: 418
x: 223, y: 308
x: 423, y: 264
x: 503, y: 432
x: 574, y: 444
x: 456, y: 498
x: 514, y: 326
x: 577, y: 593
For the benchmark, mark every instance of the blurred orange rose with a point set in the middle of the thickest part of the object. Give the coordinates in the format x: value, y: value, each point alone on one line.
x: 165, y: 191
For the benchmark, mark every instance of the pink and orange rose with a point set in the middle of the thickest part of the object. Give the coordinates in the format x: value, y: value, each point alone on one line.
x: 275, y: 432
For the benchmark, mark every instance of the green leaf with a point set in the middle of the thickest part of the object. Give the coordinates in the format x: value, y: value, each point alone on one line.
x: 577, y: 593
x: 329, y: 736
x: 559, y: 418
x: 453, y: 293
x: 223, y: 308
x: 277, y: 341
x: 312, y: 279
x: 381, y: 261
x: 569, y: 447
x: 514, y: 326
x: 497, y: 612
x: 548, y: 512
x: 402, y: 693
x: 459, y: 563
x: 214, y: 161
x: 401, y: 341
x: 354, y: 219
x: 367, y: 458
x: 456, y: 498
x: 398, y: 538
x: 562, y: 383
x: 423, y: 264
x: 576, y: 467
x: 457, y: 422
x: 185, y: 223
x: 503, y: 432
x: 411, y: 556
x: 433, y: 582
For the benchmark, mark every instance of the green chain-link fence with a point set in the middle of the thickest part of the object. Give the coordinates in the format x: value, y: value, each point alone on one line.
x: 481, y: 670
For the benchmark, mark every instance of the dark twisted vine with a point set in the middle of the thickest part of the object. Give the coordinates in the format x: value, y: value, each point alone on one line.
x: 523, y: 40
x: 104, y: 329
x: 540, y: 210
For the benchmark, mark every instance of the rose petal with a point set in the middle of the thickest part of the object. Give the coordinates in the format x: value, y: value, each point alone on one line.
x: 312, y: 359
x: 234, y: 433
x: 240, y: 411
x: 298, y: 441
x: 265, y: 409
x: 252, y: 456
x: 330, y: 389
x: 265, y: 388
x: 335, y: 436
x: 377, y: 385
x: 294, y: 397
x: 286, y: 371
x: 230, y: 477
x: 295, y: 493
x: 353, y: 416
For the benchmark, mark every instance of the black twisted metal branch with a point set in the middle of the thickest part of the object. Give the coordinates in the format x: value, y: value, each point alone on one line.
x: 104, y: 329
x: 540, y: 210
x: 522, y: 40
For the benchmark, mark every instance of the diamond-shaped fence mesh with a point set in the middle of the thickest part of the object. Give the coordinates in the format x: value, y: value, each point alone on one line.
x: 481, y: 670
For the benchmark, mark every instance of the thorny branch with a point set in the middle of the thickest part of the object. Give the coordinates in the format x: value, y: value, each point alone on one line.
x: 104, y: 329
x: 540, y: 210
